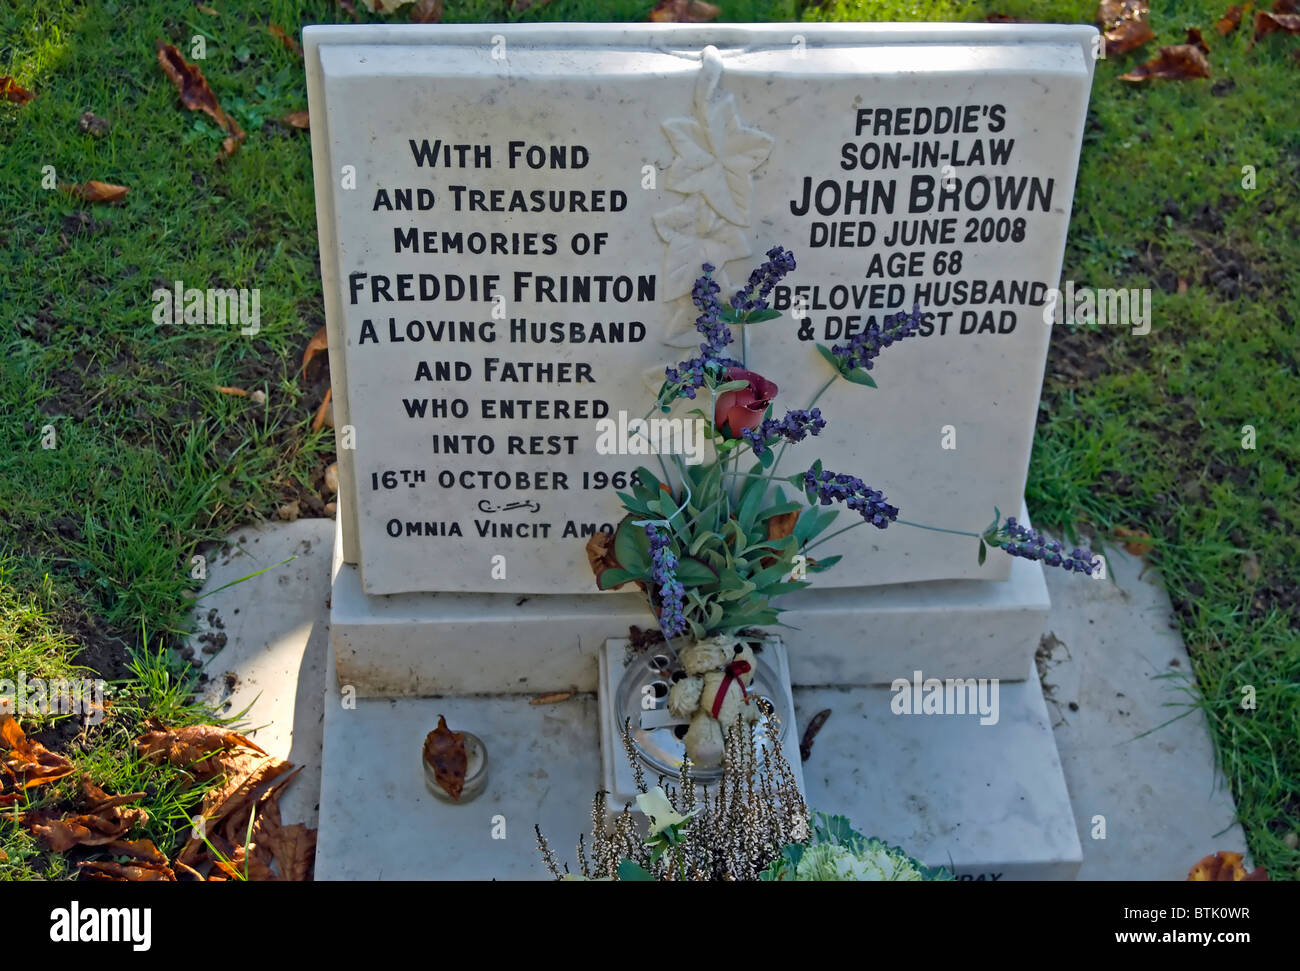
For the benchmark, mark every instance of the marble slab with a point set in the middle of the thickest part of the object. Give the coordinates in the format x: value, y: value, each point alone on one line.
x: 989, y: 801
x: 477, y: 337
x: 472, y: 643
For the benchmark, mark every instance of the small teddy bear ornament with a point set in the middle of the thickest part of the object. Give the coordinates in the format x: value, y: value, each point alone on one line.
x: 713, y: 693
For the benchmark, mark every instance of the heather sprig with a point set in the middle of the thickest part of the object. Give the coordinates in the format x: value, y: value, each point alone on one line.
x: 831, y: 487
x: 794, y: 427
x: 753, y: 296
x: 1029, y: 544
x: 862, y: 349
x: 663, y: 571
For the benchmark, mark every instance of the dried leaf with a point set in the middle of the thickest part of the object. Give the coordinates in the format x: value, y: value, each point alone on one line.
x: 287, y: 39
x: 237, y: 392
x: 319, y: 342
x: 1128, y: 35
x: 1231, y: 19
x: 142, y: 850
x: 292, y: 847
x: 27, y: 763
x: 1196, y: 40
x: 1137, y: 542
x: 782, y: 525
x: 10, y: 91
x: 810, y: 733
x: 93, y: 191
x: 196, y: 95
x: 95, y: 799
x: 1268, y: 23
x: 1124, y: 25
x: 426, y: 12
x: 332, y: 478
x: 683, y: 12
x: 445, y: 751
x: 1224, y: 866
x: 1177, y: 63
x: 83, y: 829
x: 245, y: 780
x: 318, y: 420
x: 553, y: 698
x: 191, y: 747
x: 297, y: 119
x: 600, y: 553
x: 132, y: 872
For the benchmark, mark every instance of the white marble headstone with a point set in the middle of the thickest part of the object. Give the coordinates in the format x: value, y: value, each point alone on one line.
x: 511, y: 218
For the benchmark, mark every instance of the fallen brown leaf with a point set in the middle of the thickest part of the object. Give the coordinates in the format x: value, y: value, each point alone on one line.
x: 1177, y: 63
x: 1196, y: 40
x: 292, y: 847
x: 297, y: 119
x: 191, y: 747
x: 237, y: 392
x: 205, y: 9
x: 83, y: 829
x: 26, y: 763
x: 11, y: 91
x: 319, y: 342
x: 1136, y: 541
x: 1231, y: 19
x: 93, y: 191
x: 810, y: 733
x: 1124, y: 24
x: 553, y: 698
x: 142, y: 850
x: 683, y: 12
x: 197, y: 96
x: 1268, y: 23
x: 138, y: 872
x: 445, y: 751
x: 426, y: 12
x: 1285, y: 6
x: 228, y: 805
x: 287, y: 39
x: 318, y: 420
x: 1224, y: 866
x: 95, y: 799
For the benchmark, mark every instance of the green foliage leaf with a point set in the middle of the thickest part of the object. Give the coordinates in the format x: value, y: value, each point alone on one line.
x: 632, y: 547
x: 614, y: 577
x: 984, y: 552
x: 630, y: 870
x: 760, y: 316
x: 695, y: 573
x: 860, y: 376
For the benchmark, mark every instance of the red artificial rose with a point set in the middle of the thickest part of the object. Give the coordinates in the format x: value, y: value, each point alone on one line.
x: 744, y: 408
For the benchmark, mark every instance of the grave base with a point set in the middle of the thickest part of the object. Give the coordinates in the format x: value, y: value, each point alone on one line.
x: 990, y: 801
x: 458, y: 643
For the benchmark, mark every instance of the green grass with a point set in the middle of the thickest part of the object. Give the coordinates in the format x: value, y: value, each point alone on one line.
x: 151, y: 463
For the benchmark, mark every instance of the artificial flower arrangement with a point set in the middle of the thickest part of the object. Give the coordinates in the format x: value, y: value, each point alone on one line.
x: 712, y: 545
